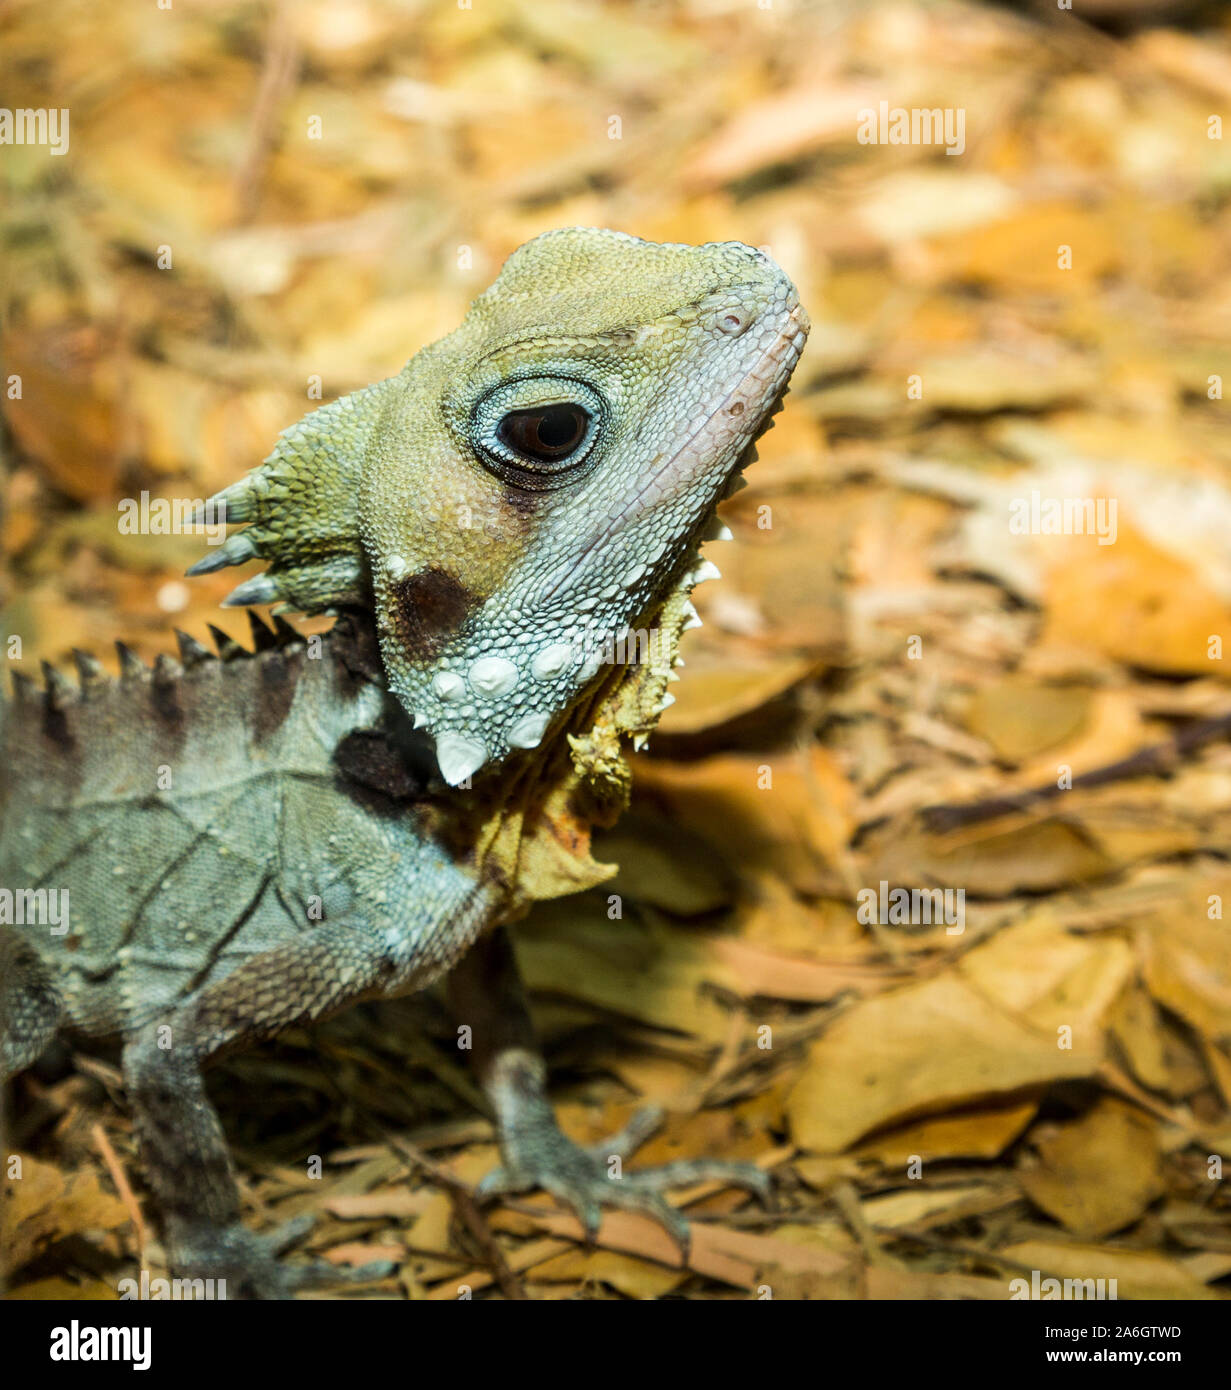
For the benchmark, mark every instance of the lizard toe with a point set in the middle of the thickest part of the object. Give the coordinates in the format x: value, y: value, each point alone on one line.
x: 625, y: 1142
x: 589, y: 1179
x: 289, y: 1234
x: 242, y: 1264
x: 686, y: 1172
x: 500, y: 1182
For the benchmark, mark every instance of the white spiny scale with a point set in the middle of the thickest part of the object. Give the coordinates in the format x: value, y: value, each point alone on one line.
x: 550, y: 661
x: 672, y: 677
x: 459, y: 757
x: 692, y: 617
x: 528, y: 731
x: 718, y: 531
x: 640, y: 741
x: 493, y: 676
x: 448, y: 685
x: 707, y: 569
x: 666, y: 702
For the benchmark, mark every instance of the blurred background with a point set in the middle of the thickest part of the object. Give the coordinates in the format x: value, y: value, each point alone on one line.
x: 264, y: 206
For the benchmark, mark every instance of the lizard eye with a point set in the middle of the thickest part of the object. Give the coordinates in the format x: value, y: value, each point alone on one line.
x: 539, y: 433
x: 544, y: 434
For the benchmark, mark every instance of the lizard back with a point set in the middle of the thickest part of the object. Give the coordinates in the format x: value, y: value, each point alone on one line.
x: 192, y: 816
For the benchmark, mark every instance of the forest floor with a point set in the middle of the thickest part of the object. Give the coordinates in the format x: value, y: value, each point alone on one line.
x: 260, y: 202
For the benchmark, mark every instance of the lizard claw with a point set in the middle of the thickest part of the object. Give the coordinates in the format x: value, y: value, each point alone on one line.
x: 243, y: 1264
x: 591, y: 1178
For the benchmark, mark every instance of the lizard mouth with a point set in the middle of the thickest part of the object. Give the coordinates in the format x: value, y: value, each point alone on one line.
x: 723, y: 434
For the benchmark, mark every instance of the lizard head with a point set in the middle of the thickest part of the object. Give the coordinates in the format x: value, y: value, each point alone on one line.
x: 535, y: 485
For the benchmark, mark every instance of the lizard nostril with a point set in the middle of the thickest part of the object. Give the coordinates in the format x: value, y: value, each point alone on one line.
x: 730, y: 310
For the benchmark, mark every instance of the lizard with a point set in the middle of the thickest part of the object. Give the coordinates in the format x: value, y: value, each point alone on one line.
x: 255, y: 840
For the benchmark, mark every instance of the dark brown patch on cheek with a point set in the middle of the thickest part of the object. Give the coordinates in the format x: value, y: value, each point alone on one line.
x: 429, y: 608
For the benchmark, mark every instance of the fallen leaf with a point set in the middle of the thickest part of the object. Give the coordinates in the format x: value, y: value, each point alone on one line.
x: 1137, y: 1273
x: 927, y: 1047
x: 982, y: 1133
x: 1097, y: 1174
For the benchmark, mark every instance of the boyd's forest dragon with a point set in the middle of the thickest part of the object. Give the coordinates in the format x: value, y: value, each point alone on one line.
x: 251, y: 841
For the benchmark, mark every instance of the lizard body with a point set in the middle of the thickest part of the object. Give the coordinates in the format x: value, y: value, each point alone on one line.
x: 254, y: 840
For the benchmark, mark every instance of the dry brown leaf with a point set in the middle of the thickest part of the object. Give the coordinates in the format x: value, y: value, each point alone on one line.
x: 1134, y: 602
x: 984, y: 1133
x: 1023, y: 250
x: 1020, y: 718
x: 782, y: 127
x: 1138, y: 1273
x: 1134, y: 1025
x: 769, y: 806
x: 574, y: 949
x: 1054, y: 979
x: 922, y: 1207
x: 662, y: 864
x: 991, y: 861
x: 394, y: 1203
x: 66, y: 415
x: 753, y: 971
x: 56, y: 1290
x: 1188, y: 968
x: 47, y: 1204
x: 635, y: 1278
x: 1097, y: 1174
x: 713, y: 696
x: 927, y: 1047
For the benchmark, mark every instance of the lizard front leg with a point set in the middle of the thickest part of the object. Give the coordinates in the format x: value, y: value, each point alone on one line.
x: 183, y: 1148
x: 30, y: 1005
x: 487, y: 994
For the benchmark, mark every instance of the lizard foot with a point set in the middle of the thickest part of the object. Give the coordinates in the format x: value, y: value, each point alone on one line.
x: 246, y: 1265
x: 590, y: 1178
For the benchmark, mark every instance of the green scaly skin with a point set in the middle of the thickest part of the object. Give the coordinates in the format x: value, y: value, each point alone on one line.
x: 256, y: 840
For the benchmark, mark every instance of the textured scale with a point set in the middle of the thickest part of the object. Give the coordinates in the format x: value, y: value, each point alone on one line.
x: 495, y: 605
x: 201, y: 821
x: 254, y: 840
